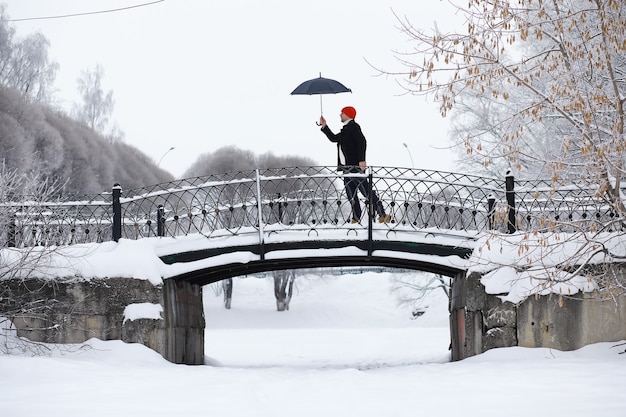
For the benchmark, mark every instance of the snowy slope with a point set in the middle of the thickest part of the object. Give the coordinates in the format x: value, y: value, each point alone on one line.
x: 344, y: 348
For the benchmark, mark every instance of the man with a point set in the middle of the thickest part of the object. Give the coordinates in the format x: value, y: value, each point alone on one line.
x: 353, y: 146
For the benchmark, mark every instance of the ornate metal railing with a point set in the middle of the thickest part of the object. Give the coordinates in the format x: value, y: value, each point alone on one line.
x: 31, y: 222
x: 306, y: 199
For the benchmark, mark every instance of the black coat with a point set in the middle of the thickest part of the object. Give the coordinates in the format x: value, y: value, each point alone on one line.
x: 351, y: 141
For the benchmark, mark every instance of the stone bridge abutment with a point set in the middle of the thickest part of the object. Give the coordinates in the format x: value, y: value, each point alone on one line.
x: 480, y: 321
x: 184, y: 322
x: 167, y: 318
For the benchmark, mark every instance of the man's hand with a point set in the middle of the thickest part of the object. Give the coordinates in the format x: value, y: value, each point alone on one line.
x: 322, y: 122
x: 362, y: 165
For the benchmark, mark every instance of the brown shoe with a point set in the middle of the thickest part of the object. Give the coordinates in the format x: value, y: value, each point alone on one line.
x: 385, y: 218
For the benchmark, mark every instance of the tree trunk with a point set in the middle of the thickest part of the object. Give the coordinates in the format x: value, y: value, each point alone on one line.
x: 283, y: 288
x: 227, y: 286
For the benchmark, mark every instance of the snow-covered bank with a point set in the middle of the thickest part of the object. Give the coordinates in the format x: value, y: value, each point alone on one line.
x: 344, y: 348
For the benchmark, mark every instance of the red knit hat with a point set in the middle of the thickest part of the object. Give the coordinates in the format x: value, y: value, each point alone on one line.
x: 349, y: 111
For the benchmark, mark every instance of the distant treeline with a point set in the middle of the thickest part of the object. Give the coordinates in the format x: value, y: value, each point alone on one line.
x: 230, y: 158
x: 38, y: 140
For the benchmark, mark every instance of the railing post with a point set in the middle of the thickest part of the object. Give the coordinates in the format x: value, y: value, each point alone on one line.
x: 370, y: 210
x: 160, y: 220
x: 510, y: 200
x: 260, y: 209
x: 491, y: 204
x: 117, y: 212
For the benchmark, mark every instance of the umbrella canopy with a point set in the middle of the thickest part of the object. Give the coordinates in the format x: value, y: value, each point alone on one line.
x: 320, y: 85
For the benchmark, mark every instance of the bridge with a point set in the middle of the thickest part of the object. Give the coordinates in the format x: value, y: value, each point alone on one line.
x: 289, y: 218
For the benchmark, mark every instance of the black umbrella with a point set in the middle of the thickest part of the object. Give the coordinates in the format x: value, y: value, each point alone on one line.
x: 320, y: 86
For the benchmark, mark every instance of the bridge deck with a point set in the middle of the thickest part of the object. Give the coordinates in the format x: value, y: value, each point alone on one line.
x: 211, y: 260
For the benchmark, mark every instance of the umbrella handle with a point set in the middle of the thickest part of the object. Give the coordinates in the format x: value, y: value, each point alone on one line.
x: 317, y: 123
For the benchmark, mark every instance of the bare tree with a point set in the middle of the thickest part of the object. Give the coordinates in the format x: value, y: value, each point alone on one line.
x: 232, y: 159
x: 284, y: 279
x: 283, y: 288
x: 223, y: 160
x: 226, y: 159
x: 97, y: 106
x: 554, y: 65
x: 411, y: 289
x: 24, y: 63
x: 36, y: 140
x: 227, y: 289
x: 480, y: 116
x: 554, y: 72
x: 19, y: 262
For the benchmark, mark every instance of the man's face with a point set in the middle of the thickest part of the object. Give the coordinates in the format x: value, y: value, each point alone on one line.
x: 343, y: 117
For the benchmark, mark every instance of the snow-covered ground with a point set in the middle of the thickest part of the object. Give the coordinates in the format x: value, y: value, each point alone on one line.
x: 344, y: 348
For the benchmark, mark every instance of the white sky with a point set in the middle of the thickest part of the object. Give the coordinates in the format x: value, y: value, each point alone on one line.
x: 198, y: 74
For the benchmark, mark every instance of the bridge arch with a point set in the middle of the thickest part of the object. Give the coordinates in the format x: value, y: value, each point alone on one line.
x: 215, y: 274
x: 432, y: 257
x: 183, y: 291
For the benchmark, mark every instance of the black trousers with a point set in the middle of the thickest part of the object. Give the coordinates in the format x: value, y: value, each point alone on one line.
x: 361, y: 184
